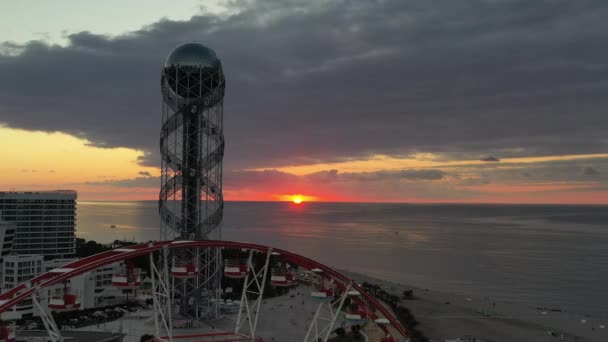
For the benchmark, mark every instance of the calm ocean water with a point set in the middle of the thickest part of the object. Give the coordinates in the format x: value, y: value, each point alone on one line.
x: 555, y: 256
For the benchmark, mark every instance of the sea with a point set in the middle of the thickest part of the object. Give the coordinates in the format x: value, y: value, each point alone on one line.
x: 552, y: 256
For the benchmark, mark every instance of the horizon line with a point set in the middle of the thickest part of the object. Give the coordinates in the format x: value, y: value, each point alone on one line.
x: 376, y: 202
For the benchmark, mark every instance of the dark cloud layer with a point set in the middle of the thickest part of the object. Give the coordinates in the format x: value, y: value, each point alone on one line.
x: 322, y: 81
x: 590, y: 171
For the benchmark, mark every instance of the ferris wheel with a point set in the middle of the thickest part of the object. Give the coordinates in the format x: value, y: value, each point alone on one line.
x: 316, y: 299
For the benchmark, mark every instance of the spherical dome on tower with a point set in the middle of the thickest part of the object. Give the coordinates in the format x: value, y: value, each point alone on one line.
x: 193, y: 71
x: 193, y: 55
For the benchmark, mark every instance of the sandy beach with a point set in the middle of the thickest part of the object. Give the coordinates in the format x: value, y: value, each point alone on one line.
x: 445, y: 316
x: 441, y: 316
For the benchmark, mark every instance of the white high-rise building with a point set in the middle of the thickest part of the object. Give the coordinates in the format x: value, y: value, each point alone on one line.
x: 44, y: 221
x: 7, y: 235
x: 17, y: 269
x: 93, y: 288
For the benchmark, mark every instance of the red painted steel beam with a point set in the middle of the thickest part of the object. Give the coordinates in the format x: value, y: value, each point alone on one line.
x: 75, y: 268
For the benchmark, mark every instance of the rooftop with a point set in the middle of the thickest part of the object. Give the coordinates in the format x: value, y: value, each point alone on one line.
x: 74, y: 336
x: 50, y: 194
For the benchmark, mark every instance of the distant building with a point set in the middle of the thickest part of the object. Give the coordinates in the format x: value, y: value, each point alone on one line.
x: 7, y: 235
x: 44, y: 222
x: 17, y: 269
x: 93, y: 288
x: 37, y: 227
x: 103, y: 289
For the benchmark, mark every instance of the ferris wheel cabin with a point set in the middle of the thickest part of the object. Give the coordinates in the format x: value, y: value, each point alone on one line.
x: 67, y: 302
x: 184, y: 270
x: 236, y: 268
x: 126, y: 278
x: 320, y: 291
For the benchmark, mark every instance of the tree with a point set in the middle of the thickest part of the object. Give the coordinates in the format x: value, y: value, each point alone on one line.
x: 408, y: 294
x: 87, y: 248
x: 146, y: 337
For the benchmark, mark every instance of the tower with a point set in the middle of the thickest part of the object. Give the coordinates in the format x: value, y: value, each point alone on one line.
x: 192, y: 147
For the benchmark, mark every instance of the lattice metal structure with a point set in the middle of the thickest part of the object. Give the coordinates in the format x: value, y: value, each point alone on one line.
x: 192, y: 147
x: 248, y: 324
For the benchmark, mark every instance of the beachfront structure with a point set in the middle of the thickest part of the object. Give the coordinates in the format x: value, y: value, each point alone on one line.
x: 104, y: 291
x: 17, y: 269
x: 191, y: 203
x: 93, y: 288
x: 7, y: 235
x: 44, y: 221
x: 90, y: 289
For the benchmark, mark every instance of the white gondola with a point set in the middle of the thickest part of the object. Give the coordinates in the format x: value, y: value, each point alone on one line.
x: 356, y: 316
x: 126, y: 278
x: 184, y: 270
x: 66, y: 302
x: 323, y: 294
x: 283, y: 278
x: 236, y: 268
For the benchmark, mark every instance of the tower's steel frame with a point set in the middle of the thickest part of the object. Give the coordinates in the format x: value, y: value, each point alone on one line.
x: 192, y: 147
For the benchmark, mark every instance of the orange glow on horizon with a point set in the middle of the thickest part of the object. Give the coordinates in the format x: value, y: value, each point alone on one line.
x: 38, y: 160
x: 296, y: 198
x: 381, y: 162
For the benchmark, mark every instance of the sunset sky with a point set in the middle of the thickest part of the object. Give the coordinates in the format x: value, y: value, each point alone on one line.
x: 498, y: 101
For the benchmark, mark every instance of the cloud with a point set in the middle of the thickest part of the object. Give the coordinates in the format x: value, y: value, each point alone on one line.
x: 490, y: 159
x: 415, y: 175
x: 458, y: 183
x: 311, y: 81
x: 138, y: 182
x: 590, y: 171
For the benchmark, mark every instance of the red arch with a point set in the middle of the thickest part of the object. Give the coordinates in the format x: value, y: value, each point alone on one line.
x: 23, y: 291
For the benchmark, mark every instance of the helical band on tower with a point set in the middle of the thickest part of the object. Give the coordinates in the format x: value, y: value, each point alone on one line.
x: 191, y: 143
x: 192, y: 147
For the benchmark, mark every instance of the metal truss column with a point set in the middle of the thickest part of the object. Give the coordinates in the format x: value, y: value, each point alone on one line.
x: 47, y: 319
x: 252, y: 312
x: 161, y: 294
x: 331, y: 317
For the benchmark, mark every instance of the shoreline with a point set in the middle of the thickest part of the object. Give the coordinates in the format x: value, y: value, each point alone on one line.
x: 447, y: 316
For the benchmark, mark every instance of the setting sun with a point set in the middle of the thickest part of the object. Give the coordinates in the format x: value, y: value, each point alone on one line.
x: 296, y: 198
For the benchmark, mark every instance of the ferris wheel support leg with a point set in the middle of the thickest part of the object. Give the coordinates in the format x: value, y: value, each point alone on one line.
x: 48, y: 320
x: 161, y: 295
x: 154, y: 296
x: 244, y: 293
x: 337, y: 313
x: 259, y: 301
x: 168, y: 291
x: 252, y: 311
x: 314, y: 324
x: 329, y: 316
